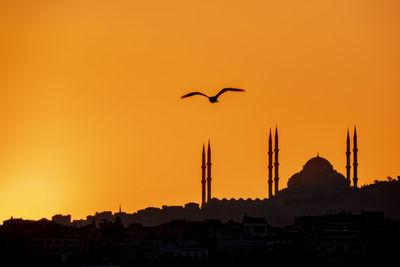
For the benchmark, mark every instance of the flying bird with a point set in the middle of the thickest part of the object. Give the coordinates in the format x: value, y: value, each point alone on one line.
x: 214, y: 99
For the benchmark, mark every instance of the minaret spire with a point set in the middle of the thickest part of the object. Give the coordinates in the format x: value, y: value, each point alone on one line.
x: 209, y: 171
x: 276, y: 164
x: 203, y: 177
x: 355, y: 162
x: 270, y: 182
x: 348, y: 167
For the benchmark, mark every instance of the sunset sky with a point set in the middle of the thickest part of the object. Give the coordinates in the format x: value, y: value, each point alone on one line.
x: 90, y: 108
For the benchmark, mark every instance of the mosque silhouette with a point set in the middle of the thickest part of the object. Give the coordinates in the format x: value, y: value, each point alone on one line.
x: 316, y: 179
x: 317, y: 189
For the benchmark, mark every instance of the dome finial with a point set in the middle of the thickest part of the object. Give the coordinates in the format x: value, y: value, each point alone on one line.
x: 317, y: 154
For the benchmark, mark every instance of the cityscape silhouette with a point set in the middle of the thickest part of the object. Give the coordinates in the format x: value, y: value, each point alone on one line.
x: 321, y: 218
x: 126, y: 140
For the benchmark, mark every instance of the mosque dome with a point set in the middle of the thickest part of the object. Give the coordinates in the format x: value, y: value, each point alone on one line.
x: 317, y: 176
x: 318, y: 164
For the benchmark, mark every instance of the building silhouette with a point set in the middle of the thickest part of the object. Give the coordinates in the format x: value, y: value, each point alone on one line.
x: 209, y: 171
x: 317, y: 172
x: 276, y: 163
x: 318, y: 176
x: 316, y: 179
x: 270, y: 182
x: 203, y: 177
x: 355, y: 162
x: 275, y: 166
x: 206, y: 180
x: 348, y: 167
x: 337, y: 239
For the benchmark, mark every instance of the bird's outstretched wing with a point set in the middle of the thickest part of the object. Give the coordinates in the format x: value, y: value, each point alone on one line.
x: 228, y: 89
x: 193, y: 93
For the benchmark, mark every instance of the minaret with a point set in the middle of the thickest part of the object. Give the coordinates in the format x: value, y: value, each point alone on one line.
x: 203, y: 177
x: 270, y: 193
x: 276, y: 164
x: 355, y: 162
x: 348, y: 167
x: 119, y: 208
x: 209, y: 172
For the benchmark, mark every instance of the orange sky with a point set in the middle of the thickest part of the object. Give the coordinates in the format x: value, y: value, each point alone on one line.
x: 91, y: 117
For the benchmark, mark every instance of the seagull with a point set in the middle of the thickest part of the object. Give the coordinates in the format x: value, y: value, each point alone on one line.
x: 214, y: 99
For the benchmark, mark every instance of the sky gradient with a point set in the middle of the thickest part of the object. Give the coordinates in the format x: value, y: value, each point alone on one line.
x: 90, y: 108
